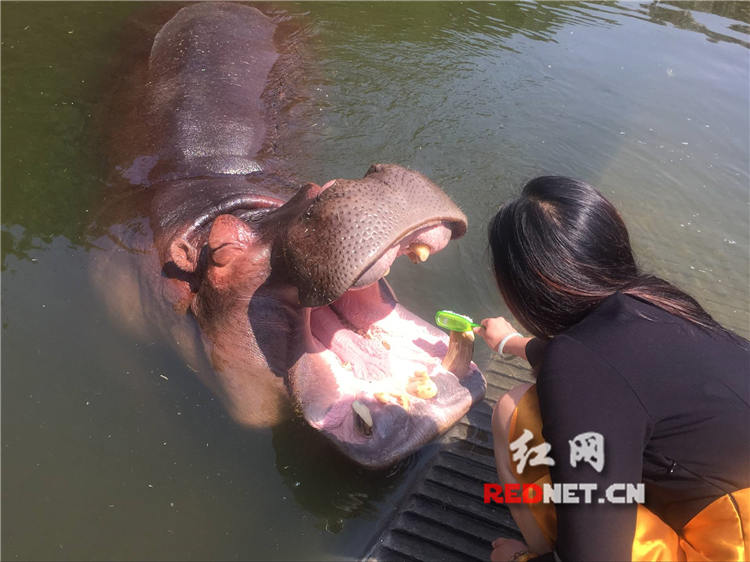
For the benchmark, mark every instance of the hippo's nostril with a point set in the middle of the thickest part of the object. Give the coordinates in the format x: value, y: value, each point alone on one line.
x: 362, y: 418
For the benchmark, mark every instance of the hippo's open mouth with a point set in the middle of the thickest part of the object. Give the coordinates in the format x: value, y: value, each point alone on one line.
x: 376, y: 379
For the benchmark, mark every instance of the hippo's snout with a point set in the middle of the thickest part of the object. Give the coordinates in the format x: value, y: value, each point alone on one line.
x: 352, y: 231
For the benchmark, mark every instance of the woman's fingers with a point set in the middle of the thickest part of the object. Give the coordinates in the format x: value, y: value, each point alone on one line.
x: 493, y: 330
x: 504, y: 548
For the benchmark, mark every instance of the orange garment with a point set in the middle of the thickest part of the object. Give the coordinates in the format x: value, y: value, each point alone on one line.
x: 720, y: 531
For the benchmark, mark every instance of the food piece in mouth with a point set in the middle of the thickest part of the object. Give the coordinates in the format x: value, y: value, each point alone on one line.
x: 421, y: 385
x: 398, y: 398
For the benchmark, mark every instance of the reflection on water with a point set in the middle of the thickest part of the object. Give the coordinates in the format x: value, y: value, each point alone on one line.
x: 334, y: 490
x: 111, y: 448
x: 683, y: 15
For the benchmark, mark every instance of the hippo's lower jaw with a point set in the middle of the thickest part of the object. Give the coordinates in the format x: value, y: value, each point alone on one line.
x: 372, y: 379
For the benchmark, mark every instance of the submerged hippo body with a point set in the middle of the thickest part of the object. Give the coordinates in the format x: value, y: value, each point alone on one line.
x: 273, y: 293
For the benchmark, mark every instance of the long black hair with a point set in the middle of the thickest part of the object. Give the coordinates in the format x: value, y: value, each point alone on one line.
x: 561, y: 248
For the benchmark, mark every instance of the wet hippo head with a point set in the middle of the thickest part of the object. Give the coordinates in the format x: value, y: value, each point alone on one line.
x: 298, y: 291
x: 285, y: 284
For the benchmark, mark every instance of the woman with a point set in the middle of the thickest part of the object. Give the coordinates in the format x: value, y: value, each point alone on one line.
x: 627, y: 356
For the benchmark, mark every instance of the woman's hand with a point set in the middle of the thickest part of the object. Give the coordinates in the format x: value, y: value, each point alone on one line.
x: 504, y: 549
x: 494, y: 330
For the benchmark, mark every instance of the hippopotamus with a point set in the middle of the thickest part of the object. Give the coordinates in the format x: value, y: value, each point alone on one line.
x: 272, y: 289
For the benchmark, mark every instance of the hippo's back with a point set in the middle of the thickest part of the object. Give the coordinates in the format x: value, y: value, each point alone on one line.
x: 207, y: 70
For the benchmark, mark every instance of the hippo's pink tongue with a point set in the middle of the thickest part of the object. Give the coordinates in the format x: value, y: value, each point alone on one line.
x: 351, y: 231
x: 365, y: 355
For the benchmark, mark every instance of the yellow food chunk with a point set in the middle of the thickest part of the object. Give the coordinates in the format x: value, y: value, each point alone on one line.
x: 398, y: 398
x: 421, y: 386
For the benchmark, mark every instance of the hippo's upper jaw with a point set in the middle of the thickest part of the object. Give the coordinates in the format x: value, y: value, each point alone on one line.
x: 372, y: 375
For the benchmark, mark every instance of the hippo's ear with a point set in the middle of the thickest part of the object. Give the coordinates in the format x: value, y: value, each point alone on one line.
x: 183, y: 254
x: 228, y: 239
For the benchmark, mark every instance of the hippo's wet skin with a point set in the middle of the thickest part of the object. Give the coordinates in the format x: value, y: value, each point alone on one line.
x: 273, y: 293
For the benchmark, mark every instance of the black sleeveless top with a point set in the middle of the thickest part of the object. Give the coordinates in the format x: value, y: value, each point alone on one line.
x: 672, y: 402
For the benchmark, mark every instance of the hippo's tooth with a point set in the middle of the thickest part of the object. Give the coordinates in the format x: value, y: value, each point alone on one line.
x: 363, y: 412
x: 363, y: 419
x: 387, y: 271
x: 460, y: 350
x: 419, y: 253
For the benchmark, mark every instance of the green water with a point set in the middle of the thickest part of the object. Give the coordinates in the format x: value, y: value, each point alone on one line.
x: 111, y: 449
